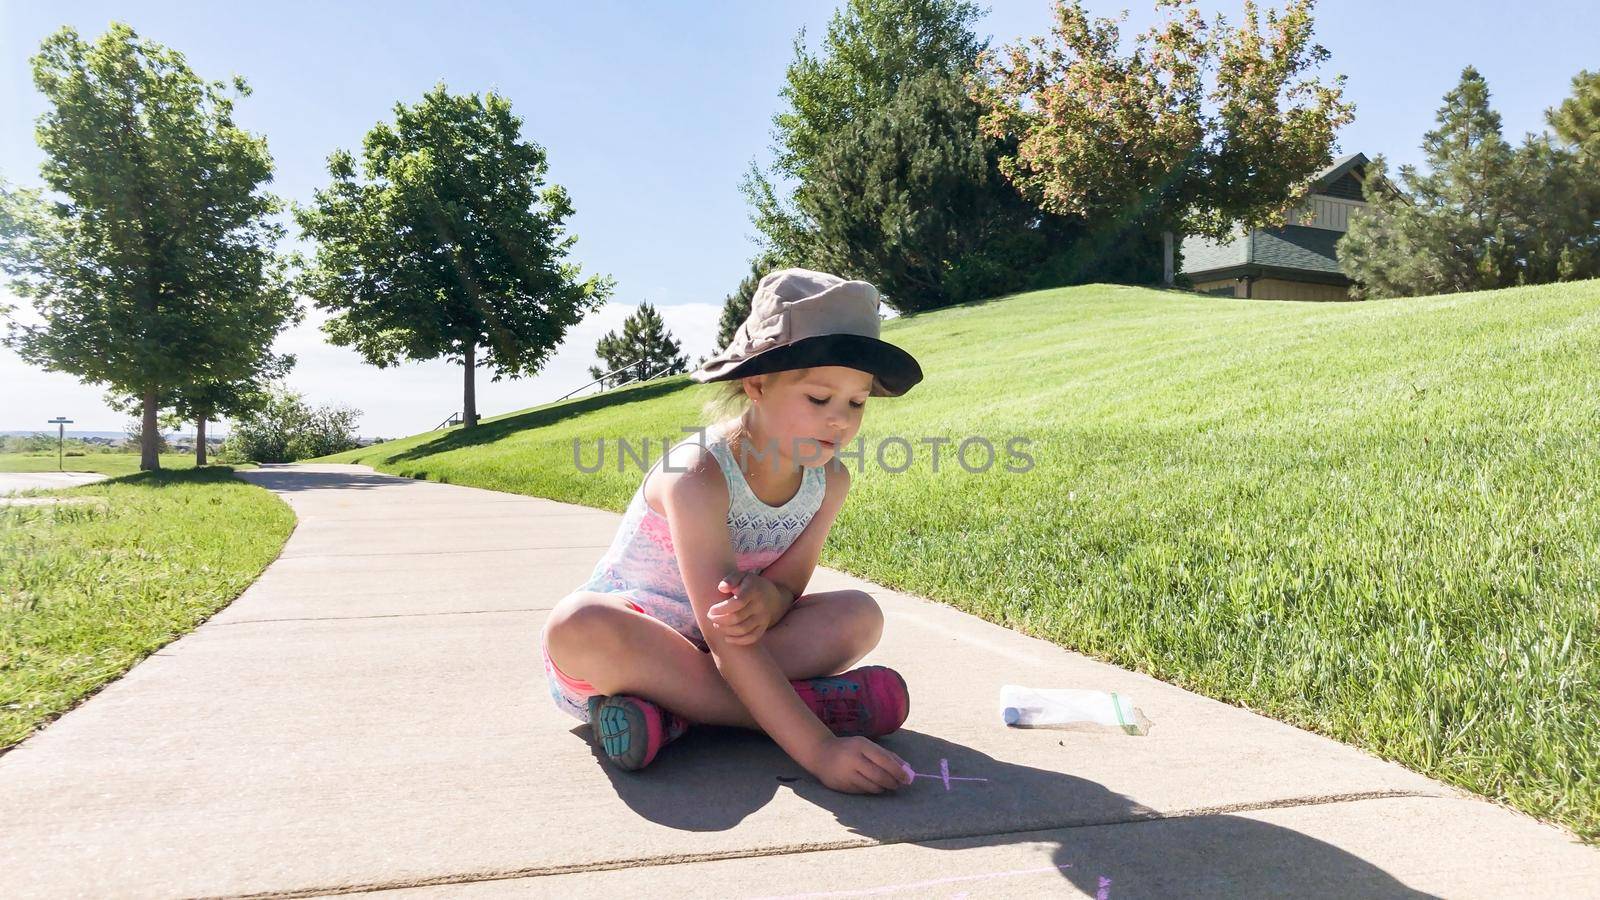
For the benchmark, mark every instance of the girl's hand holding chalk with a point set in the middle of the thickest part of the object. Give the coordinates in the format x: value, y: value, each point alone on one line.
x: 855, y: 765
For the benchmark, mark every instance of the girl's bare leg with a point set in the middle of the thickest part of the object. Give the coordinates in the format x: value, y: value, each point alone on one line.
x: 598, y: 638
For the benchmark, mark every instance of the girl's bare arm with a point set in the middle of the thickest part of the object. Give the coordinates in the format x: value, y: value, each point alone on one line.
x: 791, y: 572
x: 696, y: 504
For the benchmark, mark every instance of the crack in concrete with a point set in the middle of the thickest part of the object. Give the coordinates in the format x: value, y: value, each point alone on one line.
x: 455, y: 612
x: 511, y: 515
x: 440, y: 552
x: 820, y: 846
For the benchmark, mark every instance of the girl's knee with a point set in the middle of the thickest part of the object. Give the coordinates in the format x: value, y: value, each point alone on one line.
x: 583, y: 619
x: 869, y: 616
x: 860, y: 616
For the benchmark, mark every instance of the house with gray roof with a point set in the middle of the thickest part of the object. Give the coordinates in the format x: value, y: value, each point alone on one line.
x: 1296, y: 262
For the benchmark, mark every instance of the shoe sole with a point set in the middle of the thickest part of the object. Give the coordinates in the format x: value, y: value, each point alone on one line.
x: 624, y: 733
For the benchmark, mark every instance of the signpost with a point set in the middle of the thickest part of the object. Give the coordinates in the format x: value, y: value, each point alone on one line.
x: 61, y: 436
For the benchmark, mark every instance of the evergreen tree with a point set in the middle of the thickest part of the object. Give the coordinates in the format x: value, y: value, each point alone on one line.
x: 1563, y: 183
x: 1556, y: 209
x: 909, y: 196
x: 871, y: 48
x: 736, y: 306
x: 1457, y: 228
x: 645, y: 348
x: 1577, y: 119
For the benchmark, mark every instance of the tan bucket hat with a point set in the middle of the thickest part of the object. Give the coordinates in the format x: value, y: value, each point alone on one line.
x: 800, y: 319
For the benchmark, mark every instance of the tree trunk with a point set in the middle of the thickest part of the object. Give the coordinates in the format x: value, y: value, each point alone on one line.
x: 469, y: 400
x: 1166, y: 258
x: 149, y: 457
x: 200, y: 441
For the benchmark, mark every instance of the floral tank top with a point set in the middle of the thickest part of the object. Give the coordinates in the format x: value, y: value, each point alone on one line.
x: 641, y: 565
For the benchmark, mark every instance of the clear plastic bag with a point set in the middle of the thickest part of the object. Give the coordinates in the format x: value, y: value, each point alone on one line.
x: 1070, y: 710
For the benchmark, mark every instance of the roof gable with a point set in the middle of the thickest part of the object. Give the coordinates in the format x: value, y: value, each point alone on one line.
x: 1324, y: 181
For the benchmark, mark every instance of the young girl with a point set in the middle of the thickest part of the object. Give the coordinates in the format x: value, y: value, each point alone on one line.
x: 697, y: 611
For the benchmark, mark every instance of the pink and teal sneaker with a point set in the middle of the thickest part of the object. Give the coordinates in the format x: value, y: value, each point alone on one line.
x: 871, y: 701
x: 632, y: 730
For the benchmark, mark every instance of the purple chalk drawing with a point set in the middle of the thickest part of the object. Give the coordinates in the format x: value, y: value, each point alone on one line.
x: 1105, y: 889
x: 944, y: 775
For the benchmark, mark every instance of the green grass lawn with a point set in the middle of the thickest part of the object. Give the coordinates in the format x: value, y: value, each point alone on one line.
x: 1378, y: 521
x: 104, y: 463
x: 87, y: 590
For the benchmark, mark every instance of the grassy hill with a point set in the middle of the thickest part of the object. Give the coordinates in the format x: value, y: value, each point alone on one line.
x: 1378, y: 521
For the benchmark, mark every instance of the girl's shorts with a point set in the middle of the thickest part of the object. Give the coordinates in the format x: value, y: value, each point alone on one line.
x: 571, y: 695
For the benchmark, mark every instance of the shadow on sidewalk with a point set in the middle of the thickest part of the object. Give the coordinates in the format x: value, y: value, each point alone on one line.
x: 289, y: 477
x: 712, y: 778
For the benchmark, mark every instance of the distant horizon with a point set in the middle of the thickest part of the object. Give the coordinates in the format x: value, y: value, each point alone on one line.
x: 24, y: 432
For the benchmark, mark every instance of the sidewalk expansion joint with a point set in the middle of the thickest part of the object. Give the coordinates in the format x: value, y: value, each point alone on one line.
x: 453, y: 612
x: 320, y: 520
x: 443, y: 552
x: 820, y: 846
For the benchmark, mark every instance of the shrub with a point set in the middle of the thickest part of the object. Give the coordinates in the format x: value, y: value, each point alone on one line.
x: 286, y: 429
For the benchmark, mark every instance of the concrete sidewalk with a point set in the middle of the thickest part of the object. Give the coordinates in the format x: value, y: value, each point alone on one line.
x: 15, y: 482
x: 372, y: 714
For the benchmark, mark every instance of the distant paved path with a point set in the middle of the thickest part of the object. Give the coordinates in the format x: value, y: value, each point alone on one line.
x: 372, y: 713
x: 11, y: 482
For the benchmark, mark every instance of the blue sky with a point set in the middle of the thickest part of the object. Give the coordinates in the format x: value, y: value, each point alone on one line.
x: 651, y: 113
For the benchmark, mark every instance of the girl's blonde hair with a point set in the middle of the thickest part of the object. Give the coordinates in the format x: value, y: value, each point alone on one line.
x: 729, y: 403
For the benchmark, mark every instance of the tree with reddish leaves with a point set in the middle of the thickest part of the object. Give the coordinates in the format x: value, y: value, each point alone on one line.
x: 1202, y: 128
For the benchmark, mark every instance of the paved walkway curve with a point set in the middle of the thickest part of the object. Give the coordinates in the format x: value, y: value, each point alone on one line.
x: 15, y: 482
x: 372, y: 714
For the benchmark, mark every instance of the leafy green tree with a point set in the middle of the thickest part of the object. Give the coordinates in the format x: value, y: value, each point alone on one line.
x: 1456, y: 228
x: 151, y: 261
x: 447, y: 242
x: 208, y: 399
x: 645, y: 347
x: 871, y: 48
x: 1141, y: 139
x: 202, y: 403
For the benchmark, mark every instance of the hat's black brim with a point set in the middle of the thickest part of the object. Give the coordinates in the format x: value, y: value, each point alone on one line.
x: 897, y: 370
